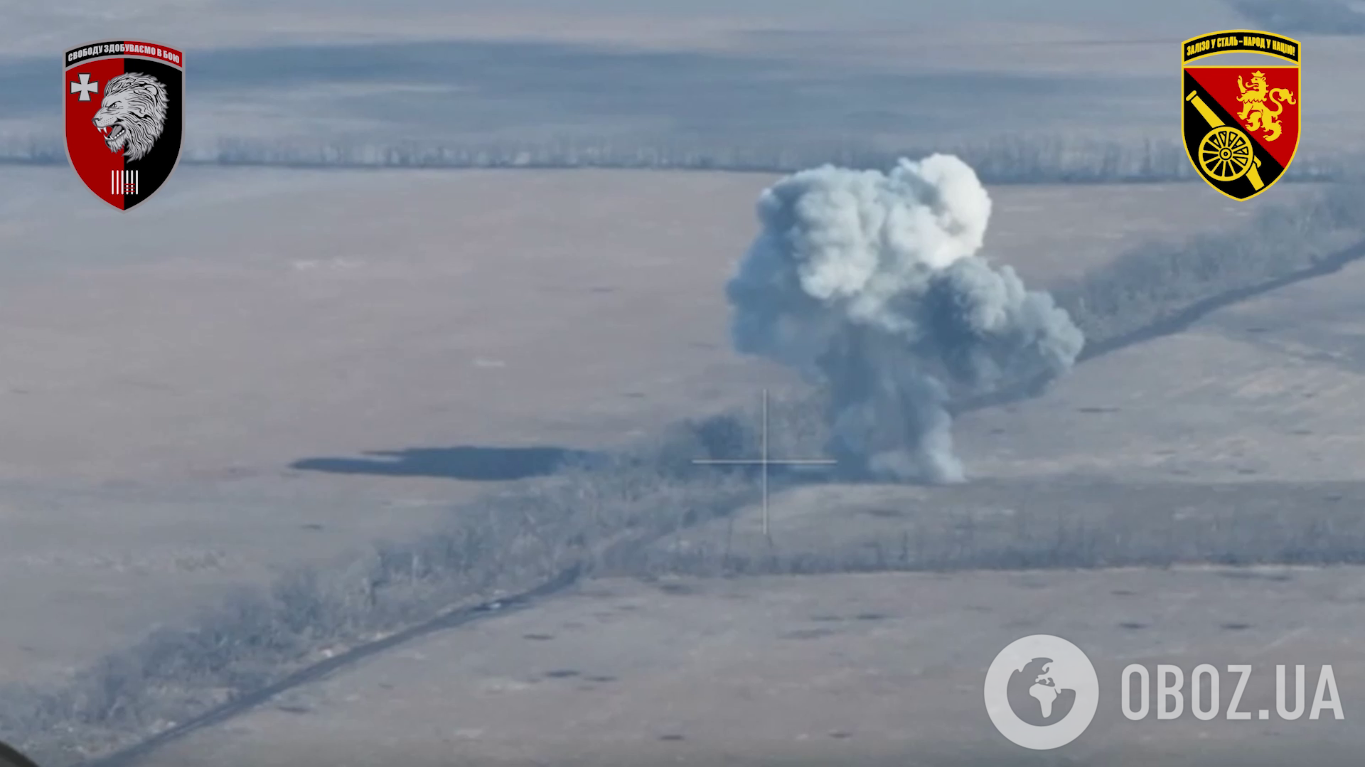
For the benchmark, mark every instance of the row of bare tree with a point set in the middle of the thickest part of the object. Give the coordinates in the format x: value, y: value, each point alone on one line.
x: 1001, y: 160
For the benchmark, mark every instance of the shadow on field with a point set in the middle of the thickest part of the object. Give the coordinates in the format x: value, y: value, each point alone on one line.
x: 467, y: 462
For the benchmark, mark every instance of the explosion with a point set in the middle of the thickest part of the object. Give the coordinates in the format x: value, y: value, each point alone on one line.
x: 869, y: 284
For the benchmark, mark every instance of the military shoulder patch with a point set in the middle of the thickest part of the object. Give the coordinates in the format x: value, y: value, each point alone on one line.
x: 1241, y: 124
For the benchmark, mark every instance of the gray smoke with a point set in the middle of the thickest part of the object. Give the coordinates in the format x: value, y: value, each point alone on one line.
x: 868, y: 282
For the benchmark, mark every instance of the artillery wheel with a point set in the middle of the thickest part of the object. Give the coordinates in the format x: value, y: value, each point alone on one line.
x: 1225, y: 153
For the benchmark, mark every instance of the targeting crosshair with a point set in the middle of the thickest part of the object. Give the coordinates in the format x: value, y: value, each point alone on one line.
x: 1226, y: 153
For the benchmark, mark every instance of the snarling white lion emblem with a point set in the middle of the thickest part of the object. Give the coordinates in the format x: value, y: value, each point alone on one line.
x: 132, y: 114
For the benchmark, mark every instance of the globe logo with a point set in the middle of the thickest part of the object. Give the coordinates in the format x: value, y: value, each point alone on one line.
x: 1034, y: 696
x: 1041, y: 692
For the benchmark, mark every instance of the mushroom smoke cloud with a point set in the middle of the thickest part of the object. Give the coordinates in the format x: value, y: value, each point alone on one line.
x: 869, y: 283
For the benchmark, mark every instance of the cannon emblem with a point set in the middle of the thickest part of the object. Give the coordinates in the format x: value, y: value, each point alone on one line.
x: 1241, y: 124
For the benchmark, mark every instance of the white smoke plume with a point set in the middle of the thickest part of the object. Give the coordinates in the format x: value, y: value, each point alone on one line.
x: 869, y: 282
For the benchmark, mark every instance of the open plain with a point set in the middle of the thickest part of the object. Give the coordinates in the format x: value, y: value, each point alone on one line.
x: 197, y: 410
x: 267, y: 368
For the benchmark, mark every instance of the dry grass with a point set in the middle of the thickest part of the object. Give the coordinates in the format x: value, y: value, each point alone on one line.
x: 859, y: 670
x: 598, y: 518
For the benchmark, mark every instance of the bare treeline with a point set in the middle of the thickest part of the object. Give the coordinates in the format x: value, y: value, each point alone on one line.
x: 1153, y: 284
x: 1004, y: 160
x: 1070, y: 524
x: 647, y: 509
x: 591, y: 515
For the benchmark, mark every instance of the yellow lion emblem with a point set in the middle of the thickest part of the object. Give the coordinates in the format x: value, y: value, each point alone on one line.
x: 1256, y: 113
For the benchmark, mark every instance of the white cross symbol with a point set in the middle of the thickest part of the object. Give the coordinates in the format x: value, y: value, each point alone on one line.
x: 85, y: 87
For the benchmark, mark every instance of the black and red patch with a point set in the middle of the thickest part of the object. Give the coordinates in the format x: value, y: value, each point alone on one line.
x: 1241, y: 124
x: 116, y: 175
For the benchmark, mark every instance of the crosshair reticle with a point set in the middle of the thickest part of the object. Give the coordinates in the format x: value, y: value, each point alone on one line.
x: 763, y: 461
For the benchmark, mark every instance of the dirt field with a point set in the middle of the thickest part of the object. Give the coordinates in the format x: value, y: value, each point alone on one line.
x: 161, y: 393
x: 850, y: 670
